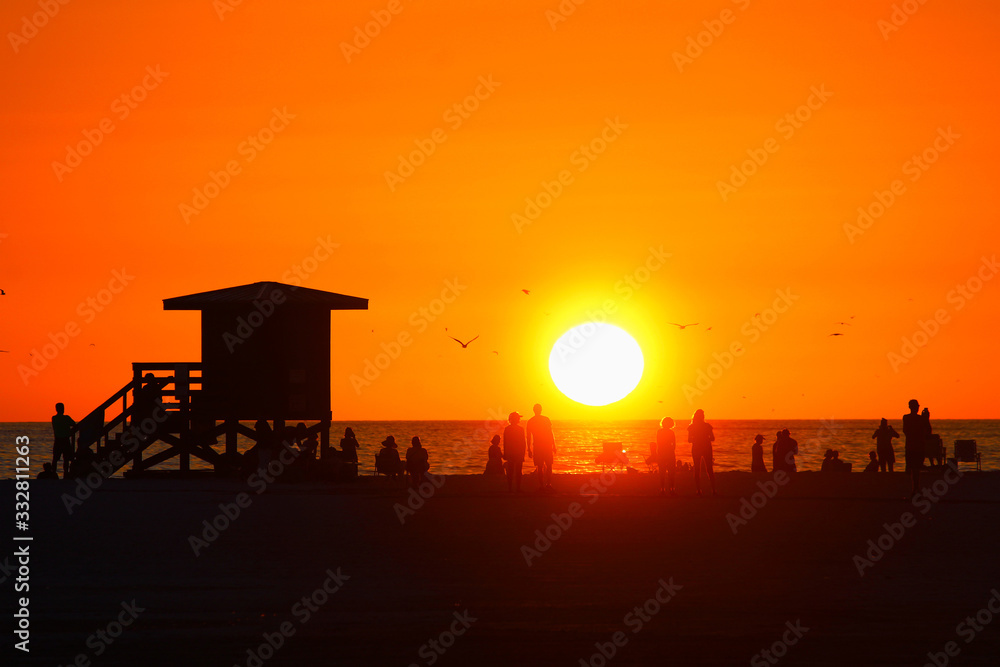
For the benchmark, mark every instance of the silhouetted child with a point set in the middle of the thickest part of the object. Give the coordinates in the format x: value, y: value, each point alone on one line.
x: 62, y: 443
x: 494, y: 461
x: 757, y: 455
x: 48, y: 472
x: 883, y: 445
x: 665, y: 456
x: 513, y: 451
x: 873, y: 463
x: 417, y: 463
x: 701, y: 435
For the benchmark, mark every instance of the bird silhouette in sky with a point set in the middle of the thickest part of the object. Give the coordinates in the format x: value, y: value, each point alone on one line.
x: 7, y: 351
x: 845, y: 323
x: 93, y: 345
x: 526, y: 291
x: 464, y: 345
x: 683, y: 326
x: 2, y: 293
x: 836, y: 334
x: 494, y: 351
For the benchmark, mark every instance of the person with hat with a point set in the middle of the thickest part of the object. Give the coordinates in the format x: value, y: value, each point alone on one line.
x: 513, y: 451
x: 388, y: 458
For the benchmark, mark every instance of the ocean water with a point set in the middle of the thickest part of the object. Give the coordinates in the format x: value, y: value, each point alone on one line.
x: 459, y: 447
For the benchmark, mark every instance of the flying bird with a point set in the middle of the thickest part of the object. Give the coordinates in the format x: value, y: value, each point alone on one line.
x: 2, y: 293
x: 7, y: 351
x: 464, y: 345
x: 526, y: 291
x: 836, y: 334
x: 845, y: 323
x: 93, y: 345
x: 494, y: 351
x: 683, y: 326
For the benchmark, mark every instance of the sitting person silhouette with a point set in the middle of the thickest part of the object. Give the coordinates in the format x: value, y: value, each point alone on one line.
x: 757, y: 455
x: 836, y: 465
x: 388, y: 459
x: 494, y: 462
x: 873, y: 463
x: 82, y: 463
x: 48, y: 472
x: 417, y: 463
x: 827, y: 465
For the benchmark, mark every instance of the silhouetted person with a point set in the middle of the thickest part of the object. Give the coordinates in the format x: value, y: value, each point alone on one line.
x: 494, y: 461
x: 541, y: 447
x: 62, y: 441
x: 883, y: 445
x: 48, y: 472
x: 666, y: 456
x: 783, y: 452
x: 388, y: 457
x: 417, y: 463
x: 145, y: 400
x: 934, y: 447
x: 915, y: 430
x: 513, y: 451
x: 83, y: 463
x: 701, y: 435
x: 349, y: 445
x: 839, y: 465
x: 757, y: 455
x: 265, y: 443
x: 309, y: 446
x: 827, y: 465
x: 873, y: 463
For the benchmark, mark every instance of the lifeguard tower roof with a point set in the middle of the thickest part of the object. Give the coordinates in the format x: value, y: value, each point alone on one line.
x: 247, y: 295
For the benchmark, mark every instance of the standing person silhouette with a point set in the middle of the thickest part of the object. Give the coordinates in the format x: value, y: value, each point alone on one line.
x: 513, y: 451
x: 915, y: 430
x: 883, y: 445
x: 349, y: 445
x: 791, y: 449
x: 541, y: 447
x: 700, y: 435
x: 666, y: 456
x: 757, y: 455
x: 778, y: 450
x: 62, y: 438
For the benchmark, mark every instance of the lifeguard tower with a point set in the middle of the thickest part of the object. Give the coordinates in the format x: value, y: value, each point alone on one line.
x: 265, y: 354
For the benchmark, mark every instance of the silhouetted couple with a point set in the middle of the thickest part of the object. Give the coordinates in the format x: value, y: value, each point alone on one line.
x: 783, y: 452
x: 539, y: 445
x: 832, y: 462
x: 917, y: 430
x: 701, y: 436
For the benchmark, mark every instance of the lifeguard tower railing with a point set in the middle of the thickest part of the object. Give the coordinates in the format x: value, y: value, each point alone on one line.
x: 161, y: 408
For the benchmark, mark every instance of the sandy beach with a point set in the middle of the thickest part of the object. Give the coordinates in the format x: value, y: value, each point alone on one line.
x: 364, y: 574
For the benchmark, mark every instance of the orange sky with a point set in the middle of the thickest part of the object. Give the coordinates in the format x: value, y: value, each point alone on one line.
x: 679, y: 127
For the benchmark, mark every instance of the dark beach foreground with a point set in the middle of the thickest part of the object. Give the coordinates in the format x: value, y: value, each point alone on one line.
x: 318, y: 575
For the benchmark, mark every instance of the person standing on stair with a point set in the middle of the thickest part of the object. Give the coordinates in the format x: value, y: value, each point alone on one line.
x: 62, y: 438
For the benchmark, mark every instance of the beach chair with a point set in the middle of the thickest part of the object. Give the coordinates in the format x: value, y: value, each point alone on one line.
x: 651, y: 464
x: 966, y: 452
x: 613, y: 456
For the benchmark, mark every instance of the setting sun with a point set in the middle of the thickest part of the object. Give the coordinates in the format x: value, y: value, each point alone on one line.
x: 596, y: 363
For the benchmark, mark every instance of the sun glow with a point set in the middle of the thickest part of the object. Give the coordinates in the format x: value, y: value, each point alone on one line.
x: 596, y: 364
